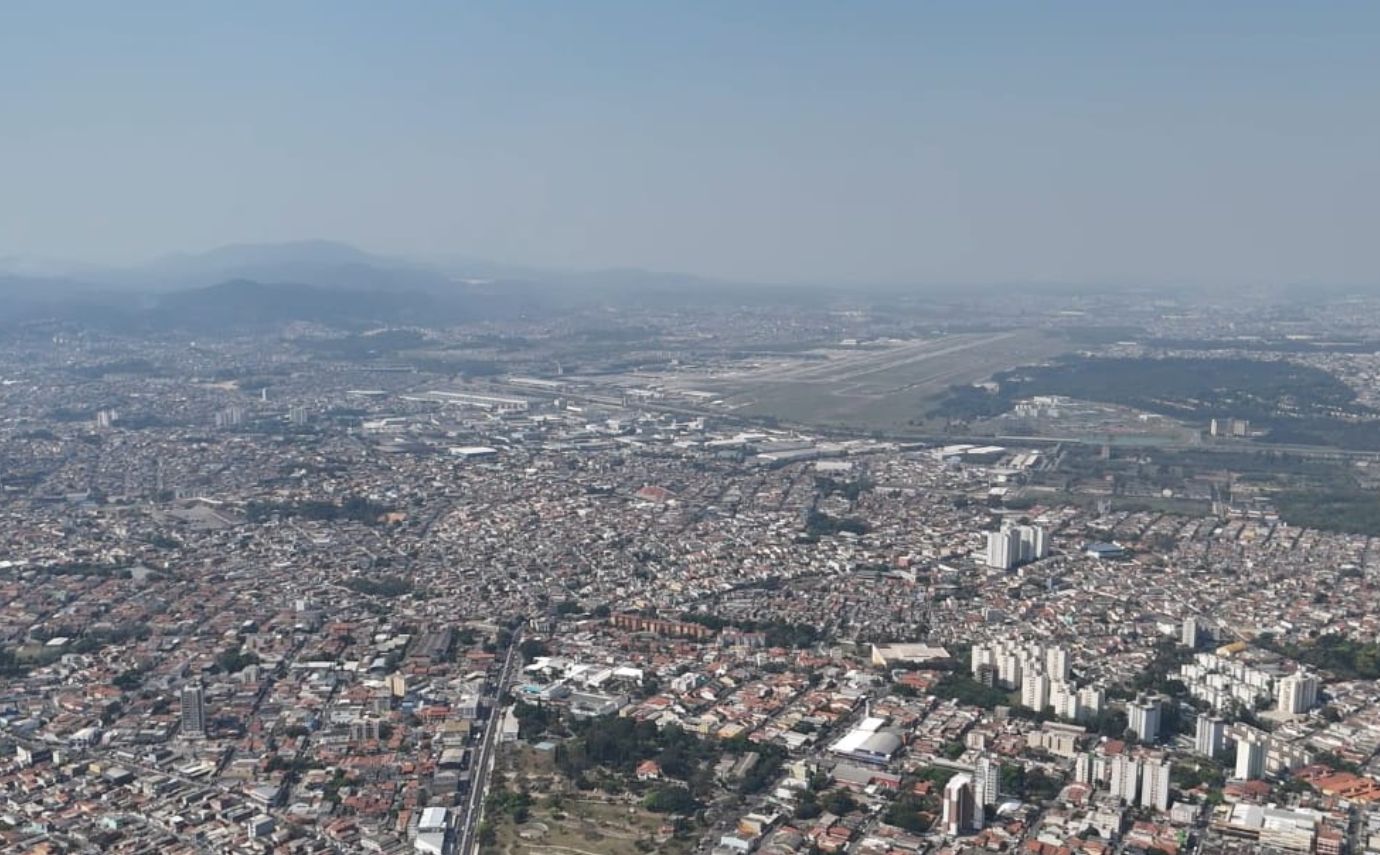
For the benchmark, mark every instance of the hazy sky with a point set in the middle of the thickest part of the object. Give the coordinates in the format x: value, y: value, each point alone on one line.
x: 936, y: 142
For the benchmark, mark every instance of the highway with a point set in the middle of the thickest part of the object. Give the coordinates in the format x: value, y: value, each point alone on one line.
x: 483, y: 764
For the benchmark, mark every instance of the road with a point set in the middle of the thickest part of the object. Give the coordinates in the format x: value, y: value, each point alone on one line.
x: 483, y: 763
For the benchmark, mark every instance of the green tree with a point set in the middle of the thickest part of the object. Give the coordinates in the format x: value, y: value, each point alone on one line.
x: 839, y: 802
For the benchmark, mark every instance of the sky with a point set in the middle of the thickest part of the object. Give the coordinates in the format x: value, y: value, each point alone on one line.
x: 926, y: 142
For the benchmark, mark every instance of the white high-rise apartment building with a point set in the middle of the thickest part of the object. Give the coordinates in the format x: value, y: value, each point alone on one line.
x: 987, y: 781
x: 1009, y: 670
x: 1016, y: 665
x: 960, y: 805
x: 1090, y: 700
x: 1192, y: 632
x: 1064, y: 698
x: 1035, y: 692
x: 193, y: 712
x: 1011, y: 661
x: 1034, y: 543
x: 1209, y: 736
x: 1057, y: 662
x: 1154, y: 784
x: 1083, y: 768
x: 1125, y: 781
x: 1298, y: 693
x: 1003, y: 549
x: 1143, y: 717
x: 1250, y: 759
x: 1101, y: 770
x: 1014, y: 545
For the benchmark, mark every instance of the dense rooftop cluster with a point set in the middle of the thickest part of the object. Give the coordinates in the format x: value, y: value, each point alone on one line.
x: 257, y: 605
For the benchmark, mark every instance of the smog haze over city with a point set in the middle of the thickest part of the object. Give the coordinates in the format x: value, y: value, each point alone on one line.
x: 609, y: 428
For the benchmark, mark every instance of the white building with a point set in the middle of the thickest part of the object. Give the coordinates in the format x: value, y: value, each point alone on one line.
x: 492, y: 403
x: 1143, y: 718
x: 1298, y: 693
x: 1014, y: 663
x: 508, y: 726
x: 1192, y: 632
x: 1009, y: 669
x: 1016, y: 545
x: 1061, y: 740
x: 1064, y: 698
x: 1003, y: 549
x: 1210, y: 735
x: 1250, y: 759
x: 1057, y: 662
x: 1033, y: 543
x: 960, y: 805
x: 1125, y: 778
x: 1090, y: 701
x: 1154, y: 784
x: 1224, y: 682
x: 193, y: 712
x: 434, y: 819
x: 1035, y: 692
x: 987, y: 781
x: 1083, y: 769
x: 1101, y: 770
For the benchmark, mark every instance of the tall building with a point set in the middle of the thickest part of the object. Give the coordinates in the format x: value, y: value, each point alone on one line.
x: 193, y: 712
x: 1014, y: 663
x: 1033, y: 543
x: 1057, y: 662
x: 1143, y: 718
x: 1083, y: 768
x: 1192, y: 633
x: 1064, y: 698
x: 1298, y: 693
x: 1016, y: 545
x: 1090, y: 700
x: 230, y: 417
x: 1003, y: 548
x: 1209, y: 736
x: 1101, y: 770
x: 1009, y: 671
x: 982, y: 655
x: 1035, y: 692
x: 960, y: 805
x: 1250, y: 758
x: 1125, y: 778
x: 987, y: 782
x: 1154, y: 784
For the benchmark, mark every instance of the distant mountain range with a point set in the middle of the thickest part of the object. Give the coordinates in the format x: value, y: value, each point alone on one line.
x: 262, y: 285
x: 317, y: 262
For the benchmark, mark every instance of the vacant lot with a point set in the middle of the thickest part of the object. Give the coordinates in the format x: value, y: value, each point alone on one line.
x: 570, y: 826
x: 567, y: 821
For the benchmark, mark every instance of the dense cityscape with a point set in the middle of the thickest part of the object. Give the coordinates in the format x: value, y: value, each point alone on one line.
x: 264, y: 594
x: 715, y: 428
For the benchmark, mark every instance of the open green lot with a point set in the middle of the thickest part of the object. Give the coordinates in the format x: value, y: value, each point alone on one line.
x: 565, y: 821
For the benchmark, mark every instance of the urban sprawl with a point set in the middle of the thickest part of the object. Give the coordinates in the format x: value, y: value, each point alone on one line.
x: 357, y: 609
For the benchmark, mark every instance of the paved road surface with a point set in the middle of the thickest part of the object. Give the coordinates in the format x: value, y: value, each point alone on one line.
x: 484, y: 758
